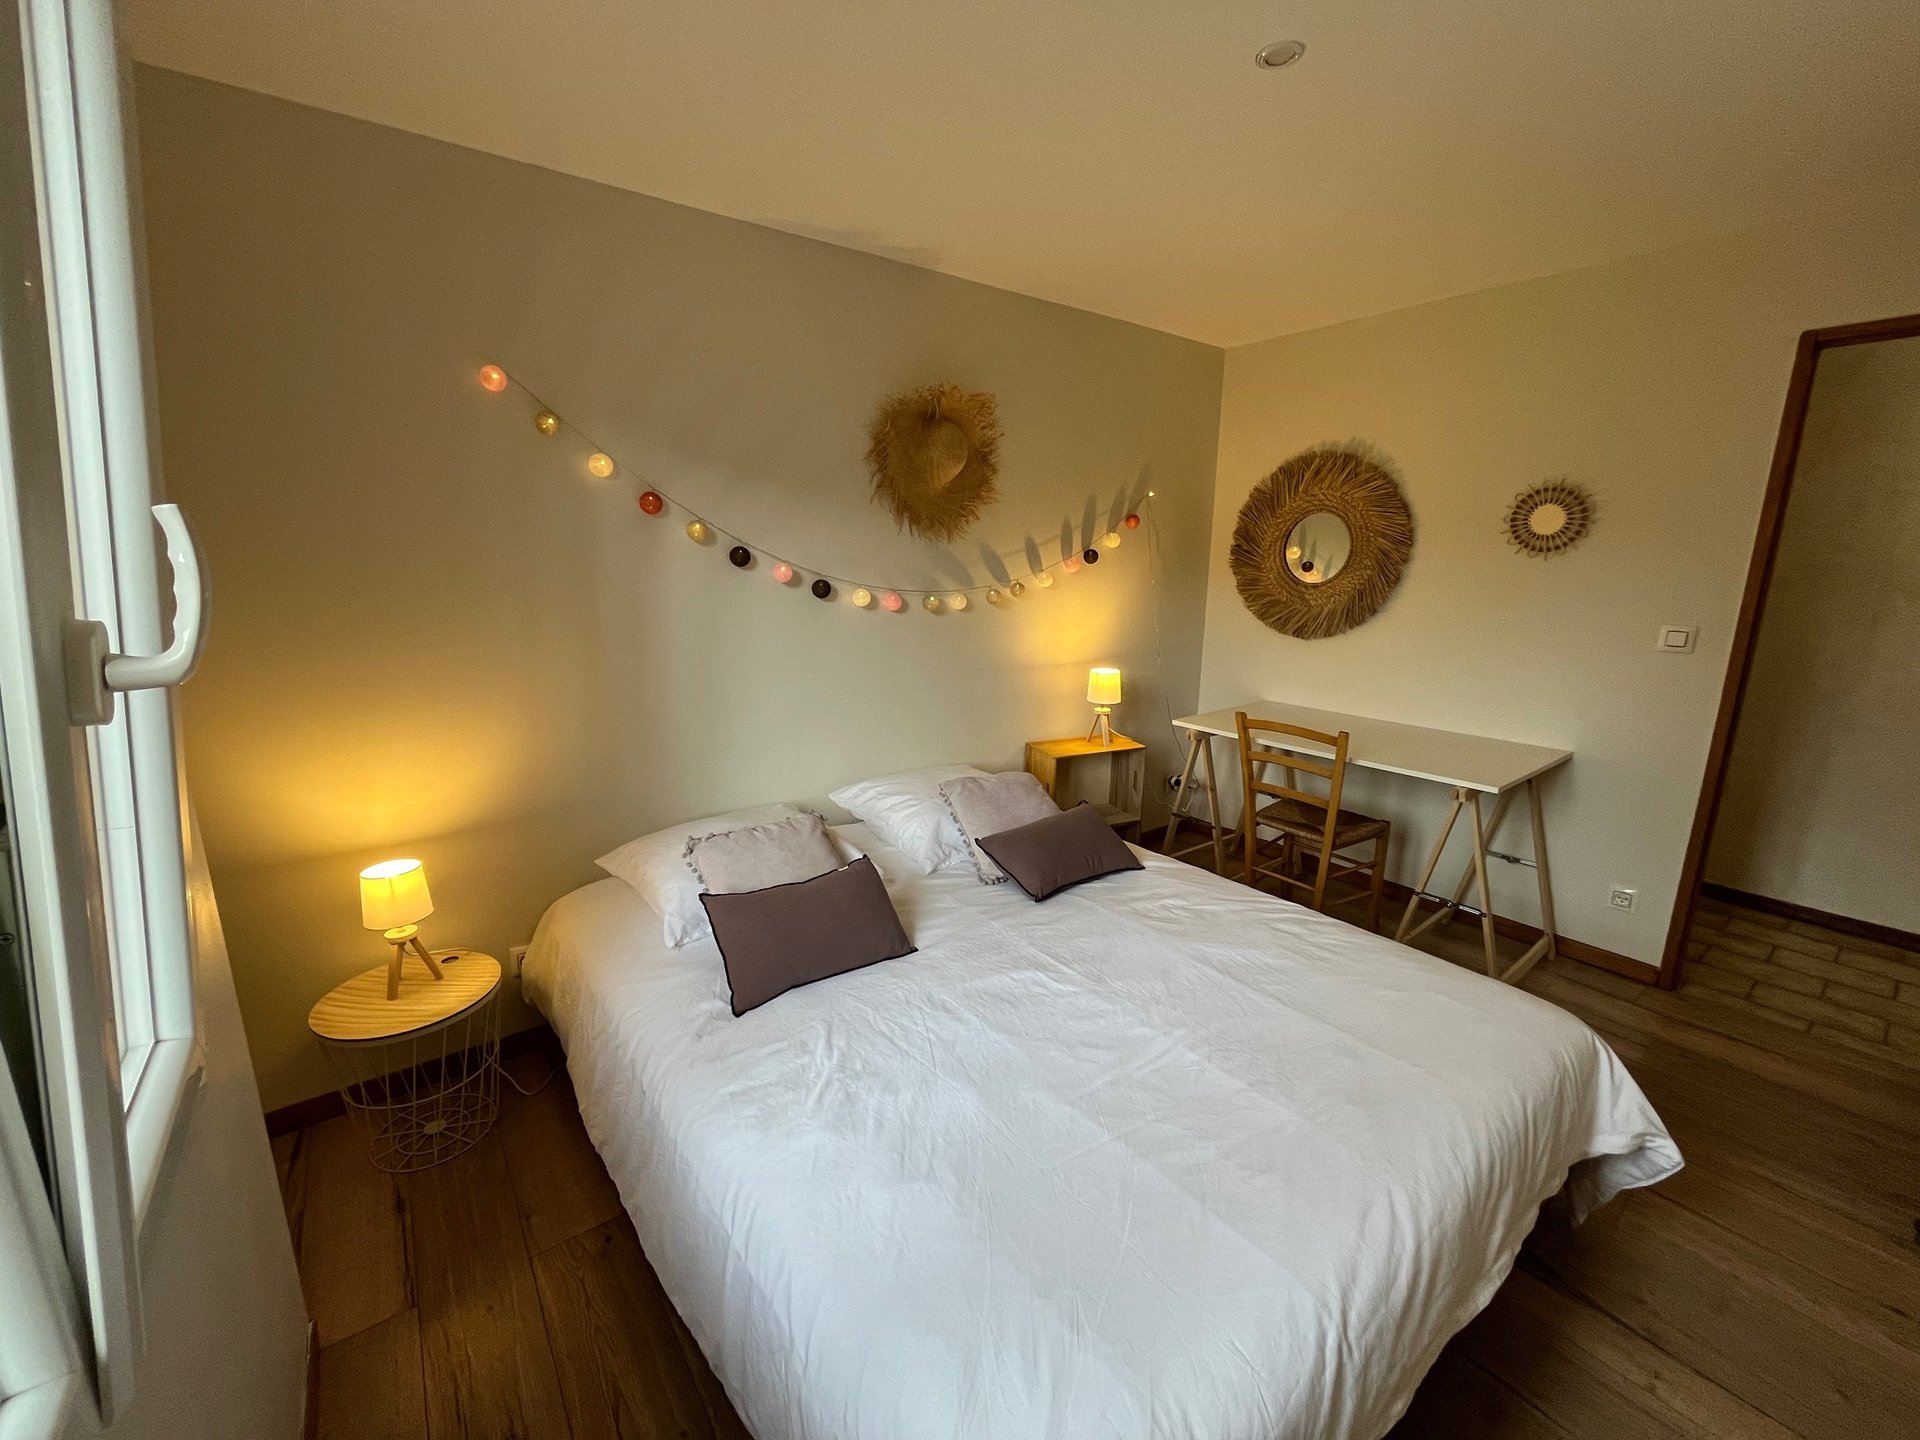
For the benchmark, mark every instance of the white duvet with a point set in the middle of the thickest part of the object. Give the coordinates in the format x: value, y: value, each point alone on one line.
x: 1158, y: 1157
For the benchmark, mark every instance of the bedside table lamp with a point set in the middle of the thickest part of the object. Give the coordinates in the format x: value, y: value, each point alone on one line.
x: 1103, y: 693
x: 394, y: 899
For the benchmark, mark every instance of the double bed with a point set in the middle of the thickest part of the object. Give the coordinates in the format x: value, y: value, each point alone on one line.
x: 1161, y: 1157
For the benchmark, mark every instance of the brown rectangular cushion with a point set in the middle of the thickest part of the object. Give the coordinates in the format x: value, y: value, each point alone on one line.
x: 1051, y: 855
x: 773, y: 940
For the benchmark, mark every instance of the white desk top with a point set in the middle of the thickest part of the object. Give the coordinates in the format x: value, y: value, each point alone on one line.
x: 1472, y: 762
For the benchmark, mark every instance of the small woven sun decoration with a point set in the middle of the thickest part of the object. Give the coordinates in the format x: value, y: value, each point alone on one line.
x: 934, y: 459
x: 1548, y: 518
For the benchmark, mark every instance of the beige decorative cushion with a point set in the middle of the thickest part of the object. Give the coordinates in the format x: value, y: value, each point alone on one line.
x: 780, y: 852
x: 656, y: 866
x: 987, y: 804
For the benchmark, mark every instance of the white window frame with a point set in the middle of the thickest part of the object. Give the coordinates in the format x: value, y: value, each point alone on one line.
x: 97, y: 823
x: 94, y: 263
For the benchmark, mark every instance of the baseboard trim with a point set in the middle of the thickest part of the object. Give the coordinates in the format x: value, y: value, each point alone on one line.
x: 1509, y: 929
x: 317, y: 1108
x: 1608, y: 960
x: 1808, y: 915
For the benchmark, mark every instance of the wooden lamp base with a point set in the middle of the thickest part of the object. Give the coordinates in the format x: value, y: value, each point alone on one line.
x: 404, y: 938
x: 1102, y: 725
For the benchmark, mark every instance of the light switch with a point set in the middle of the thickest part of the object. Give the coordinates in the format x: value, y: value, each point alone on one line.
x: 1677, y: 639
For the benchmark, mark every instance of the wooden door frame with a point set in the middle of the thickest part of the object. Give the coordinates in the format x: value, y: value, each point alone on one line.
x: 1766, y: 543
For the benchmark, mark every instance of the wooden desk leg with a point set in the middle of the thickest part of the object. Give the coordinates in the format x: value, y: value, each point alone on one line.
x: 1548, y: 943
x: 1177, y: 811
x: 1213, y: 804
x: 1486, y: 893
x: 1433, y: 860
x: 1542, y: 873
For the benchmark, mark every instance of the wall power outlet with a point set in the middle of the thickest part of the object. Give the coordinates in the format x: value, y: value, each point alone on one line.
x: 1622, y: 898
x: 517, y: 958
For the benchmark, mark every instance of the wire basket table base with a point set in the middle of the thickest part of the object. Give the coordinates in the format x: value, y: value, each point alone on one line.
x: 425, y: 1096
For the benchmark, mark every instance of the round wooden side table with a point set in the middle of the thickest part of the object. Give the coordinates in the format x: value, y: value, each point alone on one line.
x: 420, y: 1072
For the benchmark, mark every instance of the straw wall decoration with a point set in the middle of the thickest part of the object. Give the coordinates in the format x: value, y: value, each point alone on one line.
x: 1359, y: 491
x: 935, y: 457
x: 1546, y: 519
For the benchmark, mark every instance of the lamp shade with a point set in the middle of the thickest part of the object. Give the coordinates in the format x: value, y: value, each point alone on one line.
x: 394, y: 893
x: 1103, y: 685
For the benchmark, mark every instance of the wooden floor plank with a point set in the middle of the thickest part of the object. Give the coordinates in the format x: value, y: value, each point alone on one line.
x: 561, y: 1187
x: 622, y: 1369
x: 1459, y: 1398
x: 370, y: 1385
x: 486, y: 1360
x: 1530, y: 1320
x: 1734, y: 1316
x: 352, y: 1232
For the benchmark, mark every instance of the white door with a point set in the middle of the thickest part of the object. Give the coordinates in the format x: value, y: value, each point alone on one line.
x: 93, y: 1014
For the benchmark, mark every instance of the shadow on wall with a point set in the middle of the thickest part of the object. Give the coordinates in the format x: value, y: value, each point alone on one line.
x: 993, y: 567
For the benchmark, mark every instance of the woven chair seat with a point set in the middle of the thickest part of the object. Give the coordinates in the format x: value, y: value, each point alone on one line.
x: 1308, y: 822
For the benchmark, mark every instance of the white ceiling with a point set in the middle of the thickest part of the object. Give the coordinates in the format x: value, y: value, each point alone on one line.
x: 1126, y: 156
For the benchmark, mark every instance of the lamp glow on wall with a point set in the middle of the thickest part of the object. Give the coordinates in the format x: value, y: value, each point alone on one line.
x: 394, y: 900
x: 1103, y: 693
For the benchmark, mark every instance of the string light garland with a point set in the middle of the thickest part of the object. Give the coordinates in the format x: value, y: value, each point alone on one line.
x: 653, y: 502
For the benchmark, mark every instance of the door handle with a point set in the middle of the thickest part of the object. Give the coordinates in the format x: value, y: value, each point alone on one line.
x: 95, y: 673
x: 176, y: 662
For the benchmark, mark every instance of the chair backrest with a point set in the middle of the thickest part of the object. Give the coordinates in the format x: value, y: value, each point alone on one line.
x: 1257, y: 752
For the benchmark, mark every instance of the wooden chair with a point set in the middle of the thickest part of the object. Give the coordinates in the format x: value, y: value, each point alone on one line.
x: 1312, y: 827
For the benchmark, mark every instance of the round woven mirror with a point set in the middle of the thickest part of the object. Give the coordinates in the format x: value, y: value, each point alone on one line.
x: 1321, y: 543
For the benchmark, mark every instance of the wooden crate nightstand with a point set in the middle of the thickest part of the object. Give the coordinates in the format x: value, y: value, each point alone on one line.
x: 1052, y: 763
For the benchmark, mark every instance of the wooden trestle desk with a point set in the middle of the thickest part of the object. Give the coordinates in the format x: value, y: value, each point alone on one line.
x: 1471, y: 766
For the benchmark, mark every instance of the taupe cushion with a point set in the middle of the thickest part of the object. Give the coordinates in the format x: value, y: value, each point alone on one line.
x: 989, y: 804
x: 776, y: 939
x: 780, y: 852
x: 1063, y: 850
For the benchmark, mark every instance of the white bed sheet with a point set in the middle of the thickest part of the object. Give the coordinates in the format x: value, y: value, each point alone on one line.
x: 1158, y: 1157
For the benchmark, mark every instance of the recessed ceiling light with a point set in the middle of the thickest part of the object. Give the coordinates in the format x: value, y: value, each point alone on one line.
x: 1279, y: 54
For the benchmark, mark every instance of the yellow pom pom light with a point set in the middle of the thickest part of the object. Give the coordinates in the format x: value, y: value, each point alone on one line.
x: 547, y: 423
x: 599, y: 464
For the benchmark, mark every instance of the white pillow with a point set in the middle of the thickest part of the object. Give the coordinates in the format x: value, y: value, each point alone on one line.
x: 908, y: 812
x: 656, y: 866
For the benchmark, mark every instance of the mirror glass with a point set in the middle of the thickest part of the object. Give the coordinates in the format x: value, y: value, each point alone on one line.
x: 1318, y: 547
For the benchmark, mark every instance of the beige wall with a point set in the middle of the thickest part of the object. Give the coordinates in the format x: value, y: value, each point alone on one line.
x: 1822, y: 805
x: 434, y: 635
x: 1659, y: 382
